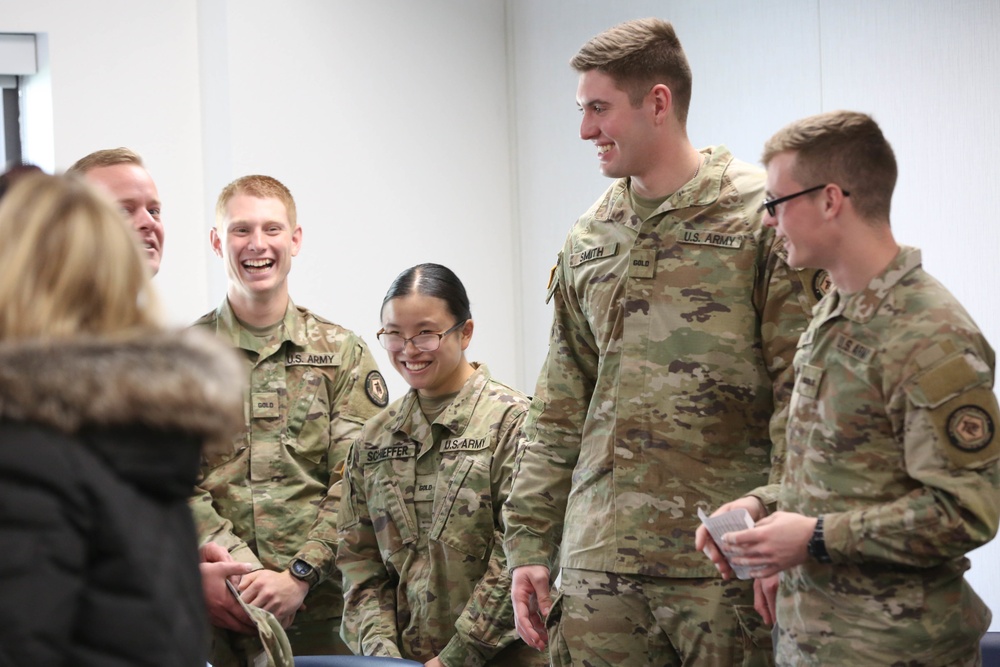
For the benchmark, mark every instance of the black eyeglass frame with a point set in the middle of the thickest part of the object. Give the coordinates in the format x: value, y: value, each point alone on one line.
x: 771, y: 204
x: 440, y: 336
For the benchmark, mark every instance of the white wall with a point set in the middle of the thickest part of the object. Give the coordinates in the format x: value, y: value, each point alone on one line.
x: 927, y: 70
x: 398, y: 126
x: 388, y: 121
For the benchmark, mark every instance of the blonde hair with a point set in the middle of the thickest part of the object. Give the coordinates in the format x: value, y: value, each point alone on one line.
x: 255, y: 185
x: 71, y: 265
x: 105, y: 158
x: 638, y: 55
x: 842, y: 147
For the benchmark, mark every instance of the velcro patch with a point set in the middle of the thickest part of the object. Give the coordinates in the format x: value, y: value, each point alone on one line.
x: 307, y: 358
x: 967, y: 423
x: 376, y: 390
x: 265, y: 405
x: 404, y: 451
x: 642, y: 264
x: 853, y: 348
x: 589, y: 255
x: 464, y: 444
x: 701, y: 237
x: 946, y: 379
x: 807, y: 384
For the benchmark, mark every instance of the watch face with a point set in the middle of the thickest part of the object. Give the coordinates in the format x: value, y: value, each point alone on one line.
x: 301, y: 568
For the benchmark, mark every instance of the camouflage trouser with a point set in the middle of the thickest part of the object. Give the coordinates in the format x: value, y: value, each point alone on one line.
x: 605, y: 619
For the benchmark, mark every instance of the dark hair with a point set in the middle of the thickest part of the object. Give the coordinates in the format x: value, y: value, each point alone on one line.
x: 432, y: 280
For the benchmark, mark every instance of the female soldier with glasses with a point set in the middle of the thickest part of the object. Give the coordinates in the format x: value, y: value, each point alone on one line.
x: 425, y: 576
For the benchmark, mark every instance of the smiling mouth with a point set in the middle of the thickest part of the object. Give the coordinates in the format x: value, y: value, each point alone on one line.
x: 604, y: 148
x: 416, y: 365
x: 258, y: 265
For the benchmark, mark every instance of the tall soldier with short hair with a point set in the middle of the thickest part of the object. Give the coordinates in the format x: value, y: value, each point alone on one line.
x: 675, y: 323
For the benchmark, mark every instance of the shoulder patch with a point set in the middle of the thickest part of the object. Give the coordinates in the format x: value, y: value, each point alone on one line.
x: 970, y: 428
x: 376, y: 389
x: 821, y: 283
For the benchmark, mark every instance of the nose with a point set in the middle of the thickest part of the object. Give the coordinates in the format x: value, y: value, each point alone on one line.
x: 588, y: 129
x: 256, y: 239
x: 768, y: 219
x: 143, y: 220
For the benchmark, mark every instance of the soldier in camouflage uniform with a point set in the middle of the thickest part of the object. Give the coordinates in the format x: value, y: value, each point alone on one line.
x: 425, y: 575
x: 271, y: 498
x: 675, y: 324
x: 892, y: 473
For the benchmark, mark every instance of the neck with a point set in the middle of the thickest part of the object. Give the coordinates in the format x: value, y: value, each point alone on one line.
x: 258, y: 312
x: 865, y: 254
x: 676, y: 163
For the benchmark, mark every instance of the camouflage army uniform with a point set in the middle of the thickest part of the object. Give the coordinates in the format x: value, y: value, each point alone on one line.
x: 312, y: 386
x: 892, y: 439
x: 420, y: 538
x: 669, y: 357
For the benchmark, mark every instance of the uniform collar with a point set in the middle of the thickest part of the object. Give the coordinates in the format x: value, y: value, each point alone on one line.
x: 702, y: 190
x: 455, y: 417
x: 862, y: 306
x: 292, y: 328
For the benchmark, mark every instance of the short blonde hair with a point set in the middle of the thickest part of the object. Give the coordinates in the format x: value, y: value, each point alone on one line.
x: 842, y: 147
x: 105, y: 158
x: 255, y: 185
x: 71, y: 265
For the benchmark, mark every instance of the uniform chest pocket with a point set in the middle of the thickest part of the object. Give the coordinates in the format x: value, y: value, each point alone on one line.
x: 394, y: 526
x: 464, y: 520
x: 307, y: 429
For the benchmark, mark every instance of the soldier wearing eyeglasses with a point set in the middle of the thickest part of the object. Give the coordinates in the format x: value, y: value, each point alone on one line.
x: 270, y: 498
x: 892, y: 472
x: 425, y: 575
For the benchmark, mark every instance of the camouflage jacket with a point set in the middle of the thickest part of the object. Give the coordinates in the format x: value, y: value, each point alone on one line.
x: 265, y: 497
x: 669, y: 359
x: 420, y: 538
x: 892, y: 439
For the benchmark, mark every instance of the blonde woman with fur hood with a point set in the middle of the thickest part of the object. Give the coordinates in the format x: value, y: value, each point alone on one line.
x: 103, y: 418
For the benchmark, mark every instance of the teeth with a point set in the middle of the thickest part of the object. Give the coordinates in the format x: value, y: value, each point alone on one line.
x: 417, y: 366
x: 257, y: 263
x: 604, y: 148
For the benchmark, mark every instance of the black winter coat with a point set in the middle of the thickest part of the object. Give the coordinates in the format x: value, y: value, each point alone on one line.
x: 99, y: 450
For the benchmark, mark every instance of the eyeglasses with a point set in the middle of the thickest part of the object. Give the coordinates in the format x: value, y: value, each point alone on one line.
x: 772, y: 204
x: 425, y: 342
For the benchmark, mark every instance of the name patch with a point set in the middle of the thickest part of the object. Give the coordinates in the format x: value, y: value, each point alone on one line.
x: 853, y: 348
x: 393, y: 452
x: 642, y: 264
x: 464, y: 444
x: 712, y: 238
x: 265, y: 404
x: 311, y: 359
x: 808, y: 381
x: 578, y: 258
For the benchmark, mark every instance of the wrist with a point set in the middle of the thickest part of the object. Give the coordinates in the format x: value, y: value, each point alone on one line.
x: 817, y: 544
x: 304, y: 572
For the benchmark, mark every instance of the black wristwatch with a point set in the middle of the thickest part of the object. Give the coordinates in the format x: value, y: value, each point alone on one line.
x: 817, y: 545
x: 304, y: 571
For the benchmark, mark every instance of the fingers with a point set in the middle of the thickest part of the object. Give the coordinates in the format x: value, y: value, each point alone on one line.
x: 530, y: 595
x: 210, y: 552
x: 760, y: 603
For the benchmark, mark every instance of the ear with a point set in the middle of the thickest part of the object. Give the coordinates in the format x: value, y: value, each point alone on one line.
x: 662, y: 100
x: 296, y: 240
x: 216, y: 241
x: 467, y: 333
x: 833, y: 201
